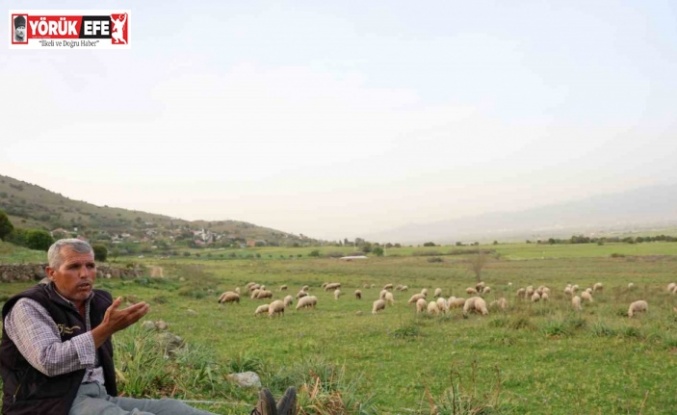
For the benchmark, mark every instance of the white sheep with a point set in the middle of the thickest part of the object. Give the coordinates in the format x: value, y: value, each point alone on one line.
x: 332, y: 286
x: 475, y: 304
x: 262, y: 309
x: 424, y: 291
x: 486, y: 290
x: 585, y: 295
x: 438, y: 293
x: 535, y: 297
x: 637, y: 306
x: 568, y: 290
x: 421, y: 305
x: 576, y: 303
x: 414, y: 298
x: 305, y: 288
x: 261, y: 294
x: 631, y: 285
x: 377, y: 306
x: 501, y: 303
x: 671, y: 287
x: 454, y: 302
x: 521, y: 293
x: 389, y: 299
x: 433, y: 308
x: 309, y: 301
x: 598, y: 286
x: 301, y: 294
x: 382, y: 294
x: 229, y: 297
x: 288, y: 300
x: 388, y: 287
x: 471, y: 291
x: 544, y: 296
x: 283, y: 288
x: 276, y: 308
x: 337, y: 293
x: 442, y: 304
x: 480, y: 286
x: 358, y: 294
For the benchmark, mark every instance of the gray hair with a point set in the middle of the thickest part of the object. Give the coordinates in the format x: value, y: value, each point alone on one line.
x: 54, y: 254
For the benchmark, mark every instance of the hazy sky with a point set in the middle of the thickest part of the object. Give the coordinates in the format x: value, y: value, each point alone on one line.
x: 340, y: 118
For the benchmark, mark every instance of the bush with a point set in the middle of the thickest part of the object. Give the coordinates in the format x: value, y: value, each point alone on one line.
x: 6, y: 226
x: 38, y: 239
x: 100, y: 253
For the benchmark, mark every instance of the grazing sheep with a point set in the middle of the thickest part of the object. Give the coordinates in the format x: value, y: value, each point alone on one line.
x: 389, y: 299
x: 522, y: 293
x: 424, y: 292
x: 674, y: 289
x: 631, y: 286
x: 568, y: 290
x: 404, y: 288
x: 288, y: 300
x: 365, y: 285
x: 249, y: 286
x: 237, y: 290
x: 332, y: 286
x: 471, y: 291
x: 671, y: 287
x: 382, y: 294
x: 421, y: 305
x: 535, y: 297
x: 229, y: 297
x: 575, y: 288
x: 501, y: 303
x: 414, y: 298
x: 433, y: 308
x: 377, y: 306
x: 544, y: 296
x: 598, y: 287
x: 400, y: 287
x: 283, y: 288
x: 358, y: 294
x: 276, y: 308
x: 529, y: 291
x: 475, y: 304
x: 254, y: 287
x: 264, y: 294
x: 388, y: 287
x: 262, y: 309
x: 337, y: 293
x: 254, y: 293
x: 438, y: 293
x: 486, y: 290
x: 442, y: 304
x: 309, y: 301
x: 305, y: 288
x: 479, y: 286
x: 637, y: 307
x: 301, y: 294
x: 454, y: 302
x: 576, y: 303
x: 585, y: 295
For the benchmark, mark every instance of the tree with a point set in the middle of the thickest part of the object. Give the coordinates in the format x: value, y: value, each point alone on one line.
x: 6, y: 226
x: 100, y: 253
x: 38, y: 239
x: 477, y: 263
x: 378, y: 251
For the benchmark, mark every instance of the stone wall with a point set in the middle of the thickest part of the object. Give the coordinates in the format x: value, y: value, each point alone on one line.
x: 36, y: 272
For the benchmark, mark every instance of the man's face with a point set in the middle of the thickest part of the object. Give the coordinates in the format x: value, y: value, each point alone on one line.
x: 20, y: 32
x: 74, y: 278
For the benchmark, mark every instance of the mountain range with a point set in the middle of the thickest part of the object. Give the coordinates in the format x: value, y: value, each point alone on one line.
x: 645, y: 209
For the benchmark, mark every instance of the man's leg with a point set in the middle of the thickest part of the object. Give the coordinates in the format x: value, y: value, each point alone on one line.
x: 155, y: 406
x: 93, y: 399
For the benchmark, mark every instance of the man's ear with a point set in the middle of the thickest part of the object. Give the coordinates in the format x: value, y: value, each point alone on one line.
x: 50, y: 272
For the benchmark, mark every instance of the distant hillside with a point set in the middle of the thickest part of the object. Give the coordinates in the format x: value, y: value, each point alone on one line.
x: 31, y: 206
x: 643, y: 209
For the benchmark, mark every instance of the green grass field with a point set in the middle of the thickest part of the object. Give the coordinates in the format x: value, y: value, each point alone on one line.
x: 533, y: 358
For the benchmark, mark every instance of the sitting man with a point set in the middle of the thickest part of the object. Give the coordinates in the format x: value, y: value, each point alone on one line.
x: 56, y: 355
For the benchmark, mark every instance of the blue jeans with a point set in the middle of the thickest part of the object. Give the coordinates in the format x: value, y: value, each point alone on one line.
x: 92, y: 399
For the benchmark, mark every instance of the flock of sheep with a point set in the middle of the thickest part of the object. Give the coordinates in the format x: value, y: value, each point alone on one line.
x: 439, y: 305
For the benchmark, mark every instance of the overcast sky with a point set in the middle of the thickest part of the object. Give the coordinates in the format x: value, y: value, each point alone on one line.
x: 340, y: 118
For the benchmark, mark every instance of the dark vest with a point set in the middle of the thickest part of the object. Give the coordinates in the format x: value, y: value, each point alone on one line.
x: 28, y: 391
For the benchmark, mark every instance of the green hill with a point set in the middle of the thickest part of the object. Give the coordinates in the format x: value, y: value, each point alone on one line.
x: 31, y: 206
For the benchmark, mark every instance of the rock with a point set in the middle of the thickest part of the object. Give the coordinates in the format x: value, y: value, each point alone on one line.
x: 148, y: 325
x: 245, y: 379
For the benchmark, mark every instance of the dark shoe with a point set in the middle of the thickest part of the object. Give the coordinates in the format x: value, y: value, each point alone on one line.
x: 266, y: 404
x: 287, y: 404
